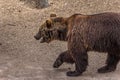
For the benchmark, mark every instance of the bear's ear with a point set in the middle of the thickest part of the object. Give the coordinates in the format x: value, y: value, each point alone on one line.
x: 49, y: 23
x: 53, y: 15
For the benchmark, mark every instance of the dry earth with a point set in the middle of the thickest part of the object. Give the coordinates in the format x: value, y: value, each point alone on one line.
x: 24, y: 58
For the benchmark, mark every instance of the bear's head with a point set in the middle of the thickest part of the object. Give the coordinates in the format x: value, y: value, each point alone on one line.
x: 54, y: 28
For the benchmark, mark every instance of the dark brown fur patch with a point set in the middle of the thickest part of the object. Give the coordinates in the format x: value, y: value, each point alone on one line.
x: 98, y: 32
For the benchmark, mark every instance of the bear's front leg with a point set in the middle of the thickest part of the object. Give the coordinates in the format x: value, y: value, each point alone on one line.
x: 63, y: 57
x: 78, y: 51
x: 81, y: 62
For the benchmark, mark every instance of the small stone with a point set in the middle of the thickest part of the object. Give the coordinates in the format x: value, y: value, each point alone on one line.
x: 25, y: 26
x: 19, y: 10
x: 51, y: 3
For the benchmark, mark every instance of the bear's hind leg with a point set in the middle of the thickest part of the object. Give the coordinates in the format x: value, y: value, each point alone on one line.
x: 81, y: 62
x: 63, y: 57
x: 111, y: 63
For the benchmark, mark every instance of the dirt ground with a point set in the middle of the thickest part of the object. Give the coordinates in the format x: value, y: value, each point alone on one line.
x: 24, y: 58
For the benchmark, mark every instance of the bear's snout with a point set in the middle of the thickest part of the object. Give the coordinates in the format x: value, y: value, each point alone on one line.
x: 36, y: 37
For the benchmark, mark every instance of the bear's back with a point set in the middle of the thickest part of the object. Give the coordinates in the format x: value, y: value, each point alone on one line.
x: 98, y: 31
x: 107, y: 19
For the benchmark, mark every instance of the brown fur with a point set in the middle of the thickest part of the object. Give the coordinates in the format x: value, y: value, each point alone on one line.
x: 98, y: 32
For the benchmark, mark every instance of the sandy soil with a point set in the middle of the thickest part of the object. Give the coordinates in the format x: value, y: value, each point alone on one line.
x: 24, y: 58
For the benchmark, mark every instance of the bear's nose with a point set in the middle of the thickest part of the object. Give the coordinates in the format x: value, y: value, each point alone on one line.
x: 55, y: 66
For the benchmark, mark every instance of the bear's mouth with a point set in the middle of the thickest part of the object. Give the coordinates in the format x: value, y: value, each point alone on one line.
x: 42, y: 40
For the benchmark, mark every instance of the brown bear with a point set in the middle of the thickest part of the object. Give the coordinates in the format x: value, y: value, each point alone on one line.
x: 83, y: 33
